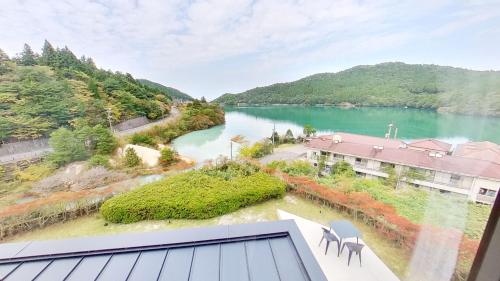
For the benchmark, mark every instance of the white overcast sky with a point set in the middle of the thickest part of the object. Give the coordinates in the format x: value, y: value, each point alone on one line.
x: 207, y: 48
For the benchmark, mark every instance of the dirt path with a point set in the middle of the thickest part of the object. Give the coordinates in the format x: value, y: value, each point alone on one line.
x: 174, y: 115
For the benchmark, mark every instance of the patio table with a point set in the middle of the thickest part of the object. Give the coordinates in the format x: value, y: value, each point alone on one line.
x: 345, y: 229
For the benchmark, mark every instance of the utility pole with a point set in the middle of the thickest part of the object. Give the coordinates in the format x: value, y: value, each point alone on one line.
x: 231, y: 142
x: 274, y: 131
x: 108, y: 111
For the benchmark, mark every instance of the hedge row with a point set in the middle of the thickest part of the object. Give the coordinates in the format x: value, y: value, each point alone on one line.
x: 192, y: 195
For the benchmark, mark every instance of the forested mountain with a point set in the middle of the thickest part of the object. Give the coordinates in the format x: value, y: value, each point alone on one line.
x: 171, y: 92
x: 387, y: 84
x: 42, y: 92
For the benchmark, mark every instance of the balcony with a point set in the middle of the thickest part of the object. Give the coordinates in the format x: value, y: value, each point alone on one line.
x: 485, y: 199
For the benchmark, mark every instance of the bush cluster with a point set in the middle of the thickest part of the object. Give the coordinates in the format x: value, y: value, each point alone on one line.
x: 168, y: 156
x: 257, y: 150
x: 192, y: 195
x: 143, y: 139
x: 294, y: 168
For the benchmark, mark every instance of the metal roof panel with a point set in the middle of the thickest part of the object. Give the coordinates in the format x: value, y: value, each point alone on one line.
x: 148, y: 266
x: 205, y: 265
x: 58, y: 269
x: 233, y: 264
x: 89, y: 268
x: 118, y: 267
x: 27, y: 271
x: 177, y: 265
x: 260, y: 261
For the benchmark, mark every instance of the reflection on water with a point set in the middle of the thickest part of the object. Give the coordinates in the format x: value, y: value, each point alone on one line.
x: 256, y: 123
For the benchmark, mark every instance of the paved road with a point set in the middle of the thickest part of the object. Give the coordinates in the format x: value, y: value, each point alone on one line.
x: 173, y: 116
x: 286, y: 153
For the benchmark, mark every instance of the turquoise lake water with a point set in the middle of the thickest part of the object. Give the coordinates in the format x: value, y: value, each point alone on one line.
x: 256, y: 123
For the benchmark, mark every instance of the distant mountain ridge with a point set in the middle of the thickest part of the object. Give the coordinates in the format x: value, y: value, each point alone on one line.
x: 171, y: 92
x: 442, y: 88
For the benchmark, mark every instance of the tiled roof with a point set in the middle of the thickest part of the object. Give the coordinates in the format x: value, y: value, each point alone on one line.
x: 409, y: 157
x: 264, y: 251
x: 484, y: 150
x: 431, y: 144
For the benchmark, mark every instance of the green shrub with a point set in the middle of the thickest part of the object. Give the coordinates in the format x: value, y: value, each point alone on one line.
x: 191, y: 195
x: 342, y: 168
x: 131, y: 158
x: 168, y: 156
x: 99, y: 160
x: 35, y: 172
x: 257, y: 150
x: 299, y: 168
x: 231, y: 169
x: 142, y: 139
x: 277, y: 164
x: 67, y: 147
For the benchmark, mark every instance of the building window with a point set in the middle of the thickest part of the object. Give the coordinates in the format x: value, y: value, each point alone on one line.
x: 387, y: 165
x: 454, y: 179
x: 487, y: 192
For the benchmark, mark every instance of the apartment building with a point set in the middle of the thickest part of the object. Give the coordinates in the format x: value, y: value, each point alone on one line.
x: 434, y: 161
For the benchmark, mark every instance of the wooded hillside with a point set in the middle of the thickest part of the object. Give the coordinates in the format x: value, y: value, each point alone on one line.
x: 171, y: 92
x: 387, y: 84
x: 42, y: 92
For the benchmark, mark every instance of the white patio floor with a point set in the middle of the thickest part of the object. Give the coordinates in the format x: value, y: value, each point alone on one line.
x: 335, y: 268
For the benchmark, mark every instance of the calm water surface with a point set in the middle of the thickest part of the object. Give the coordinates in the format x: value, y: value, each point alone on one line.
x: 255, y: 123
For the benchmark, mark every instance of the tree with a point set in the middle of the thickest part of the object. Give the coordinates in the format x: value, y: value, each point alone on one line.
x: 131, y: 158
x: 67, y: 147
x: 289, y: 135
x: 105, y: 141
x: 3, y: 57
x: 49, y: 55
x: 203, y: 100
x: 27, y: 56
x: 309, y: 130
x: 342, y: 168
x: 168, y: 156
x: 321, y: 164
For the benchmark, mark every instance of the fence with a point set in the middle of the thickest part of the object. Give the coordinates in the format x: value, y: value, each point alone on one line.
x: 47, y: 215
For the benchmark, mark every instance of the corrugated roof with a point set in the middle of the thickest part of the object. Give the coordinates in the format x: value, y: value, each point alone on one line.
x: 410, y: 157
x: 264, y: 251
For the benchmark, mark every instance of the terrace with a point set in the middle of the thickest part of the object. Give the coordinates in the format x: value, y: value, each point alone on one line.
x: 336, y: 268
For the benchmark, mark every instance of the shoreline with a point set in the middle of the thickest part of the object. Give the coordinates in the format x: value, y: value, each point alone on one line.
x: 439, y: 110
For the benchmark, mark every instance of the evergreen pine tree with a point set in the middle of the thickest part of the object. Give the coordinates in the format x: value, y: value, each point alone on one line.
x: 131, y: 158
x: 27, y: 56
x: 48, y: 54
x: 3, y: 56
